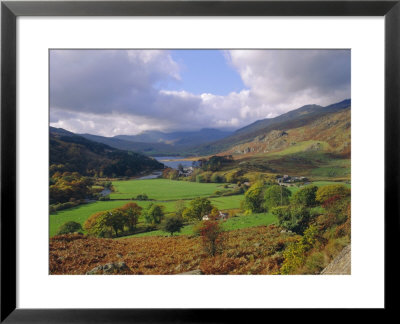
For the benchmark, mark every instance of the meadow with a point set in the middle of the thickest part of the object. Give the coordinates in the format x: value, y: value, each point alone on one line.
x: 166, y: 193
x: 163, y: 189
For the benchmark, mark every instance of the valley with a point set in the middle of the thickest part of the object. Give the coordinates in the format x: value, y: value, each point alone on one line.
x: 260, y: 191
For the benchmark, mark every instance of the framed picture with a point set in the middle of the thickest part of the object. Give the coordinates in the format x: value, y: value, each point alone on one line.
x: 219, y: 139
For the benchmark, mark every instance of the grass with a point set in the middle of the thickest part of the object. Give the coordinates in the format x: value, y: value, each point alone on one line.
x: 81, y: 213
x: 227, y: 202
x: 163, y: 189
x: 238, y: 222
x: 166, y: 190
x: 302, y: 147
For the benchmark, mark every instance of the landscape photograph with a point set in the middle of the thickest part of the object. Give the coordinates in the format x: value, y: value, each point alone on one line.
x: 199, y: 162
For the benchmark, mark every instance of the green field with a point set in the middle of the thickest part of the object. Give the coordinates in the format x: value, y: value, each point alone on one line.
x: 167, y: 192
x: 238, y: 222
x: 81, y: 213
x: 163, y: 189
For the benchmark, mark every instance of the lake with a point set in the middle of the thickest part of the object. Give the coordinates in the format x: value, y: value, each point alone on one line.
x: 173, y: 161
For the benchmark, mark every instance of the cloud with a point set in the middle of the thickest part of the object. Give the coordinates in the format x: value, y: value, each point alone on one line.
x: 111, y: 92
x: 281, y: 80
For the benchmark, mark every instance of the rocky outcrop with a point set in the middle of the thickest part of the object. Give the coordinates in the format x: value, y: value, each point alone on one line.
x: 341, y: 265
x: 193, y: 272
x: 110, y: 268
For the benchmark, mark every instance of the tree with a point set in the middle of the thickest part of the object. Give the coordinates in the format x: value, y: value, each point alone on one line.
x: 95, y: 225
x: 131, y: 212
x: 154, y: 214
x: 305, y: 196
x: 210, y: 233
x: 276, y: 196
x: 326, y: 192
x: 115, y: 219
x: 179, y: 207
x: 253, y: 198
x: 293, y: 218
x: 102, y: 224
x: 198, y: 207
x: 69, y: 227
x: 172, y: 224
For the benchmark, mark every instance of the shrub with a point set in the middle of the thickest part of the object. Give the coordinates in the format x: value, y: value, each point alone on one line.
x: 200, y: 178
x: 69, y: 227
x: 326, y: 192
x: 293, y: 218
x: 217, y: 178
x: 295, y: 253
x: 142, y: 197
x: 210, y: 233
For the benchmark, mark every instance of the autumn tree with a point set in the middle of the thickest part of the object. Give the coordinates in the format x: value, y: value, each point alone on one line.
x: 132, y: 212
x: 210, y: 232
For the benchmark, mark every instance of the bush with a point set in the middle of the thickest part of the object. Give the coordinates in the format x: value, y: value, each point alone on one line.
x: 69, y: 227
x: 217, y: 178
x: 326, y: 192
x: 293, y: 218
x: 142, y: 197
x: 200, y: 178
x: 295, y: 253
x: 210, y: 233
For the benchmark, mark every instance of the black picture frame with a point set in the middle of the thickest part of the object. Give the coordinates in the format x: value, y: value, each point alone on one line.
x: 10, y: 10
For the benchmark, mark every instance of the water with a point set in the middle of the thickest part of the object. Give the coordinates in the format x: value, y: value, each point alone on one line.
x: 154, y: 175
x: 173, y: 161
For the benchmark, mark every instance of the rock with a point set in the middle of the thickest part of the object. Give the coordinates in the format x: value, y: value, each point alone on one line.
x: 193, y: 272
x: 111, y: 268
x: 341, y: 265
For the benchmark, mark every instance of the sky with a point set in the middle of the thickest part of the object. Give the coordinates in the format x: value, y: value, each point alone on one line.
x: 114, y: 92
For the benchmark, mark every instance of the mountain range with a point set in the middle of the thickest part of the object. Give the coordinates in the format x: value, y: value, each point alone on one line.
x: 211, y: 141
